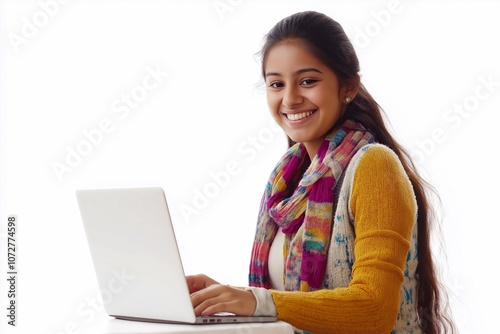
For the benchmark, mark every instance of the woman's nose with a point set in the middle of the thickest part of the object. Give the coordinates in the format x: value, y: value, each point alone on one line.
x: 292, y: 97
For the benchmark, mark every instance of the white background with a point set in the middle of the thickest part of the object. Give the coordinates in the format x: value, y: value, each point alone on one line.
x: 65, y: 68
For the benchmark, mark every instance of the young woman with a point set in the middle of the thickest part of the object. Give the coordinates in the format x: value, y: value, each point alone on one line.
x: 344, y: 211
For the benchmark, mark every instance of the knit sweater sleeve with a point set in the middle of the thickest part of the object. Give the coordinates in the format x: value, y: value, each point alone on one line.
x: 384, y: 209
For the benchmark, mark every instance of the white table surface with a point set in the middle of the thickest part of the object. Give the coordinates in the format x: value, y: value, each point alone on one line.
x: 117, y: 326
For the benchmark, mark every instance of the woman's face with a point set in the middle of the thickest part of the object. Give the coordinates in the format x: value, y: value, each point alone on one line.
x: 303, y: 94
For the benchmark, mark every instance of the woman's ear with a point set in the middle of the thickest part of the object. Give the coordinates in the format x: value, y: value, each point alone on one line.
x: 350, y: 89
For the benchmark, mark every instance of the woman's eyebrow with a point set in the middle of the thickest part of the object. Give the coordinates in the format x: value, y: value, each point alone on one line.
x: 301, y: 71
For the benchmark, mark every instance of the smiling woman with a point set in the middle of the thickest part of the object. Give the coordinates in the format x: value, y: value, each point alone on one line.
x: 206, y: 134
x: 344, y: 211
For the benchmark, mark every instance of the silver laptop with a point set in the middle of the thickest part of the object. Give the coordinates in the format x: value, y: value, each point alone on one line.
x: 136, y: 258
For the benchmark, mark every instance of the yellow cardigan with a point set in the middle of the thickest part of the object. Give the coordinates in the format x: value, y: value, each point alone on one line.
x: 383, y: 205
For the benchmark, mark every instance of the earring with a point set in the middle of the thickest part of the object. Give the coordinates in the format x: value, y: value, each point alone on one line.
x: 347, y: 99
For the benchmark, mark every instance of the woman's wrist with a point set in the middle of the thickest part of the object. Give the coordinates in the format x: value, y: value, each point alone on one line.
x: 265, y: 304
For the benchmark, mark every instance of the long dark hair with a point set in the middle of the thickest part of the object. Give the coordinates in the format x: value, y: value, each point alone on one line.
x: 326, y: 39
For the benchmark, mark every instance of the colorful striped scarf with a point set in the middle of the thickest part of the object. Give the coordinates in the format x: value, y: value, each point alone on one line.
x: 300, y: 199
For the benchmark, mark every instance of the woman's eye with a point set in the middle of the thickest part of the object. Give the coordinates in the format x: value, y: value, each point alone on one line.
x: 308, y: 81
x: 276, y: 85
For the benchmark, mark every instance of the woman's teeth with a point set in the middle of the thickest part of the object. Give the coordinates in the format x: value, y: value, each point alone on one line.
x: 296, y: 117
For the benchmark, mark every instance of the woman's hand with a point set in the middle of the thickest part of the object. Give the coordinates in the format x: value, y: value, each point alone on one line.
x: 222, y: 298
x: 210, y: 297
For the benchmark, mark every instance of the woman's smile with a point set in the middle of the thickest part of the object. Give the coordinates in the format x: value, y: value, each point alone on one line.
x: 299, y: 116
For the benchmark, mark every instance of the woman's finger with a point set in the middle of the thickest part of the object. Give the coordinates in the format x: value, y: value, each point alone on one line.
x: 199, y: 282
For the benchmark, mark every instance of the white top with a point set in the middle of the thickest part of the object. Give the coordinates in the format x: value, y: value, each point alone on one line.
x: 276, y: 263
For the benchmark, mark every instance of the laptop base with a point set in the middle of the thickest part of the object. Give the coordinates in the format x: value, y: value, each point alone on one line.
x: 204, y: 320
